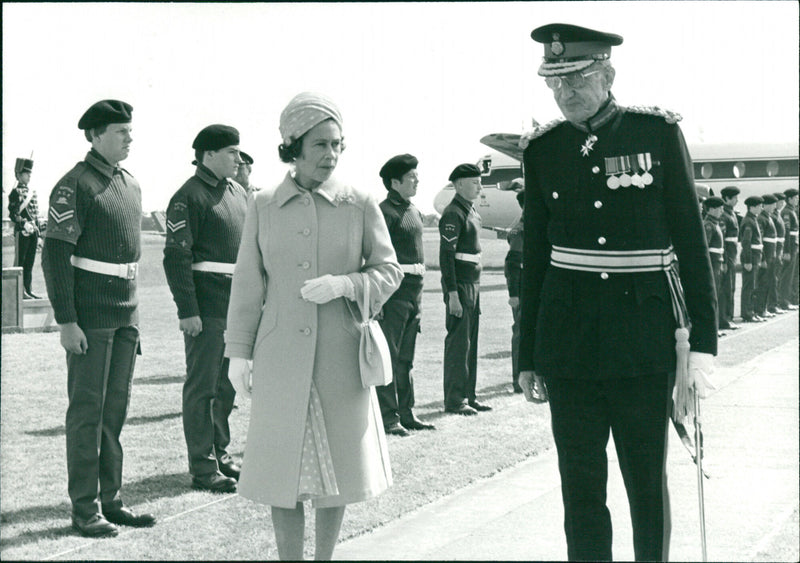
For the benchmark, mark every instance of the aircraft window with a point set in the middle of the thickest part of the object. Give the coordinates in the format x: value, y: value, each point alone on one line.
x: 772, y: 168
x: 738, y: 170
x: 786, y: 168
x: 706, y: 170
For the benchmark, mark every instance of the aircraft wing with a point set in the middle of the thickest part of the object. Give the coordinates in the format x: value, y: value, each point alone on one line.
x: 506, y: 143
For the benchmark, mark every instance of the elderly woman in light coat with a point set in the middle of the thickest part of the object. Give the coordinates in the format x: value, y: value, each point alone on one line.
x: 315, y: 432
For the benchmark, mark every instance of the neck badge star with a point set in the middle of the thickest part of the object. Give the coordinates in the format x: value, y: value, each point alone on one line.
x: 587, y: 147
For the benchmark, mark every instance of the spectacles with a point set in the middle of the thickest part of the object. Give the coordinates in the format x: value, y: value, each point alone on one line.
x: 575, y: 80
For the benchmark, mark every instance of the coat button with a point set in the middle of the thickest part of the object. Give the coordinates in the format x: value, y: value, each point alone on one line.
x: 306, y: 201
x: 306, y: 331
x: 601, y: 240
x: 604, y: 276
x: 555, y: 195
x: 595, y: 170
x: 598, y: 204
x: 305, y: 265
x: 306, y: 231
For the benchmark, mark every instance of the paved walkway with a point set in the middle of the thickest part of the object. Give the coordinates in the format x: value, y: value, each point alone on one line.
x: 751, y: 435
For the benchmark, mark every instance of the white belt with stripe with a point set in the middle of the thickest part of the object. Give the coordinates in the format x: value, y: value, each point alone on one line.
x: 770, y: 239
x: 214, y: 267
x: 716, y: 250
x: 794, y: 233
x: 731, y: 239
x: 756, y: 247
x: 415, y: 269
x: 615, y: 261
x: 124, y: 271
x: 464, y: 257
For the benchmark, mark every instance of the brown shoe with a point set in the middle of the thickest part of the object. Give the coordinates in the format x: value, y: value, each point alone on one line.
x: 96, y: 526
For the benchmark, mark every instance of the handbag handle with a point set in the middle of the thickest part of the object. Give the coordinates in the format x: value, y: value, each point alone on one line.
x: 365, y: 298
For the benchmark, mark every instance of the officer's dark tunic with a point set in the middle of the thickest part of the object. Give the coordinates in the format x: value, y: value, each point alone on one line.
x: 401, y: 313
x: 204, y: 224
x: 459, y: 232
x: 788, y: 286
x: 766, y: 272
x: 603, y: 340
x: 730, y: 231
x: 752, y: 247
x: 25, y: 241
x: 716, y: 250
x: 95, y: 212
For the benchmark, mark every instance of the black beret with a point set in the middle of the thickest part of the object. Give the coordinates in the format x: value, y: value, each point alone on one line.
x: 791, y: 192
x: 464, y: 171
x: 215, y: 137
x: 753, y: 200
x: 246, y: 157
x: 768, y: 199
x: 569, y: 48
x: 23, y: 165
x: 713, y: 201
x: 730, y: 191
x: 105, y: 112
x: 779, y: 196
x: 397, y: 166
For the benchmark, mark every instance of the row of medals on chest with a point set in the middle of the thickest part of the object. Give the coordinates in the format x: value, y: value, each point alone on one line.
x: 618, y: 168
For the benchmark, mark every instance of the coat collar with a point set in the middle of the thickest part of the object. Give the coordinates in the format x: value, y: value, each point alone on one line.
x: 96, y: 161
x: 208, y: 177
x: 333, y: 191
x: 606, y: 113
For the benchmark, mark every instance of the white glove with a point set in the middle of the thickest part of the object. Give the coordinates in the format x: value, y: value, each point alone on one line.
x: 701, y: 367
x: 327, y: 288
x: 240, y: 372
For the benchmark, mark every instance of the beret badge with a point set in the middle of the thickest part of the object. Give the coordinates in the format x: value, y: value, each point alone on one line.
x: 556, y: 47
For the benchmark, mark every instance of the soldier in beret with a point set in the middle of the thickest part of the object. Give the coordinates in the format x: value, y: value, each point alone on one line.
x: 788, y: 286
x: 244, y: 171
x: 204, y: 228
x: 610, y: 204
x: 90, y: 255
x: 729, y: 222
x: 780, y: 256
x: 715, y: 239
x: 766, y: 270
x: 23, y: 210
x: 752, y: 250
x: 512, y: 268
x: 460, y: 262
x: 401, y: 313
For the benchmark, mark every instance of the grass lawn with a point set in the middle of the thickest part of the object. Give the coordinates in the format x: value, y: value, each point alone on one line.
x: 34, y: 505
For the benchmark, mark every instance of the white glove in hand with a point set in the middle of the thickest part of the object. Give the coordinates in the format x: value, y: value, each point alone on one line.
x: 701, y: 367
x: 240, y: 372
x: 327, y: 288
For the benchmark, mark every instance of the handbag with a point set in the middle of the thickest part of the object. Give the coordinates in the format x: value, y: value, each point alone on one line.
x: 374, y: 359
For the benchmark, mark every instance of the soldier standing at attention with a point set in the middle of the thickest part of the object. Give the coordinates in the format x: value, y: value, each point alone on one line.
x: 715, y: 239
x: 730, y: 230
x: 401, y: 313
x: 512, y: 268
x: 766, y: 272
x: 789, y: 282
x: 91, y: 249
x: 23, y: 210
x: 752, y: 248
x: 610, y: 204
x: 204, y: 227
x: 460, y: 262
x: 243, y: 173
x: 780, y: 256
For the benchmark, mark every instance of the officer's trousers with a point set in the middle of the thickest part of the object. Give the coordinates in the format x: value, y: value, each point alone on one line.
x: 99, y: 389
x: 461, y: 347
x: 636, y: 410
x: 727, y: 289
x: 400, y: 324
x: 25, y: 256
x: 787, y: 270
x: 766, y: 277
x: 748, y: 292
x: 208, y: 397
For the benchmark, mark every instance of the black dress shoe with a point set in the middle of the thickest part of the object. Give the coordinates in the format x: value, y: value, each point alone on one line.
x: 96, y: 526
x: 752, y: 319
x: 125, y: 517
x: 395, y: 429
x: 517, y: 388
x: 480, y: 406
x: 414, y: 423
x: 230, y: 469
x: 463, y: 409
x: 214, y: 482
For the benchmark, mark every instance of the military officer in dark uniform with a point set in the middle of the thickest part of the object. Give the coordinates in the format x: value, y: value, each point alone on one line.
x: 729, y: 223
x: 90, y: 255
x: 401, y: 313
x: 512, y: 268
x: 780, y: 257
x: 715, y: 239
x: 788, y: 286
x: 766, y: 271
x: 204, y: 227
x: 460, y: 262
x: 23, y: 210
x: 610, y: 205
x: 751, y: 257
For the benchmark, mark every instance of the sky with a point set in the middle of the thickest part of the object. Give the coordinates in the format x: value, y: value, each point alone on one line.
x: 425, y: 78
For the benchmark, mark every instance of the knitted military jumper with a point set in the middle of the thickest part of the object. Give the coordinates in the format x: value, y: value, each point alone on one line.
x: 95, y: 212
x: 404, y: 222
x: 205, y: 218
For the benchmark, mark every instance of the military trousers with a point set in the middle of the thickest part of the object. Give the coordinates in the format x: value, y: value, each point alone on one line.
x: 749, y: 281
x: 785, y: 281
x: 516, y: 313
x: 727, y: 289
x: 99, y: 389
x: 208, y: 398
x: 636, y: 411
x: 25, y: 256
x: 461, y: 347
x: 400, y: 324
x: 765, y: 280
x: 716, y: 273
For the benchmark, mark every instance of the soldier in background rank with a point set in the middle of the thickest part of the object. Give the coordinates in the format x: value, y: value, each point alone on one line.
x: 243, y: 173
x: 91, y: 249
x: 23, y: 210
x: 204, y: 227
x: 610, y: 203
x: 752, y: 248
x: 715, y: 239
x: 460, y: 262
x: 729, y: 222
x: 401, y: 313
x: 766, y: 272
x: 780, y: 256
x: 512, y: 268
x: 788, y: 286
